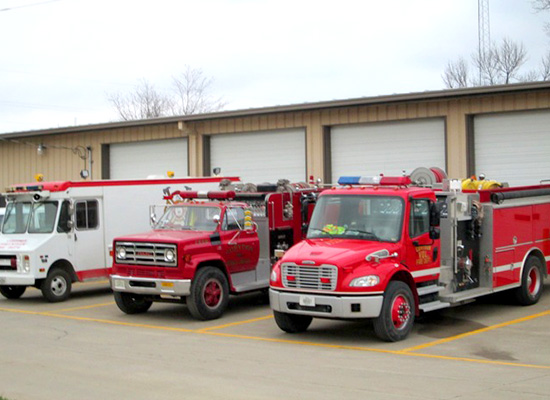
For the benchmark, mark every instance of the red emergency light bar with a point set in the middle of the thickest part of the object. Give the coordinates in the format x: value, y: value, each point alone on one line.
x: 193, y: 194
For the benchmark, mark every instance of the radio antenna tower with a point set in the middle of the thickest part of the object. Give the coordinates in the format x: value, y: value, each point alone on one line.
x: 483, y: 32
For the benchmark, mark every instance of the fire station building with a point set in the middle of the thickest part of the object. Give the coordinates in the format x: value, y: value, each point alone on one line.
x: 500, y: 131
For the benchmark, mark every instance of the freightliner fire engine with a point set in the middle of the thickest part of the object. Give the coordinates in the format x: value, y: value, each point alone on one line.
x: 56, y: 233
x: 383, y: 249
x: 206, y: 246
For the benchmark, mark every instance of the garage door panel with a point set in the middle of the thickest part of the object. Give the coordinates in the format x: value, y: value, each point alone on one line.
x: 138, y: 160
x: 261, y: 156
x: 514, y: 147
x: 387, y: 148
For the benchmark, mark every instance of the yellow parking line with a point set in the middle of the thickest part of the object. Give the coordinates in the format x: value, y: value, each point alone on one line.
x: 248, y: 321
x: 92, y: 282
x: 406, y: 352
x: 373, y: 350
x: 103, y: 321
x: 476, y: 332
x: 85, y: 307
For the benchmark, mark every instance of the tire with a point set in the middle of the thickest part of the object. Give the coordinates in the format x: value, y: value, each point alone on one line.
x: 396, y: 318
x: 531, y: 283
x: 292, y: 323
x: 57, y: 286
x: 12, y: 292
x: 131, y: 303
x: 209, y: 294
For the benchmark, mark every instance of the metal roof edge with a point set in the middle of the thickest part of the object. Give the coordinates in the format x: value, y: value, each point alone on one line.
x: 393, y: 98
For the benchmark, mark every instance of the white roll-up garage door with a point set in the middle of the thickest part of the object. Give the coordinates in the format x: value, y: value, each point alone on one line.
x: 514, y: 147
x: 261, y: 156
x: 139, y: 160
x: 387, y: 148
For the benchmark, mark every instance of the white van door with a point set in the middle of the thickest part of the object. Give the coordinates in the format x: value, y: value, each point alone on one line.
x: 88, y: 236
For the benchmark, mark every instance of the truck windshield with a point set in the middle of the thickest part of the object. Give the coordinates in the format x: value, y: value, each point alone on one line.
x: 357, y: 217
x: 32, y: 217
x: 189, y: 217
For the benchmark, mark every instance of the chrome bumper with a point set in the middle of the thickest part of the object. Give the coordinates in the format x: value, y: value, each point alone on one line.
x: 326, y: 306
x: 148, y: 286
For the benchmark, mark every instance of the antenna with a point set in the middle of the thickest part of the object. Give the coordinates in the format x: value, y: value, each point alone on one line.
x: 483, y: 31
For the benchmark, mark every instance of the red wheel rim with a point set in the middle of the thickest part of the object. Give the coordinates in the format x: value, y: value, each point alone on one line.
x: 212, y: 293
x: 533, y: 281
x: 400, y: 311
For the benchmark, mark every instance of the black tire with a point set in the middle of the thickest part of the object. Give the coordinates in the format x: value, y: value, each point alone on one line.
x: 209, y: 294
x: 131, y: 303
x: 292, y: 323
x: 531, y: 283
x: 12, y: 292
x: 396, y: 318
x: 57, y: 286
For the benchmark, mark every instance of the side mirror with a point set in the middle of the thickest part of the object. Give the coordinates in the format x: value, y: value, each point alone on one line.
x: 435, y: 214
x: 435, y: 233
x: 216, y: 219
x: 70, y: 224
x: 152, y: 216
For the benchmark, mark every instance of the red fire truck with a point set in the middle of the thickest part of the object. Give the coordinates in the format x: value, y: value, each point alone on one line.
x: 206, y: 246
x: 384, y: 249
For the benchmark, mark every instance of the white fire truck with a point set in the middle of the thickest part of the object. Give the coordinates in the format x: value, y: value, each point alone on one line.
x: 56, y: 233
x: 384, y: 249
x: 207, y: 246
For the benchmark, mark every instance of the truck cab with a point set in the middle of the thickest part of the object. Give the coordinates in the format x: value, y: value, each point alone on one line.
x: 359, y: 240
x: 206, y: 246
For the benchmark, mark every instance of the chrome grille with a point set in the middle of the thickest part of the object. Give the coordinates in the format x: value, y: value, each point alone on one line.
x: 145, y: 253
x: 322, y: 277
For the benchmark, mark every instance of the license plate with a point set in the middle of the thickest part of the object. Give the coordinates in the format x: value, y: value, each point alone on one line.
x: 307, y: 301
x: 5, y: 262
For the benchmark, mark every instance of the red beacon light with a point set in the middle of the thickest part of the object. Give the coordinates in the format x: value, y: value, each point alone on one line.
x: 375, y: 180
x: 193, y: 194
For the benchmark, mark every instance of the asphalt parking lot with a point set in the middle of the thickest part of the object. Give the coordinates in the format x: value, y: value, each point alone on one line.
x: 86, y: 348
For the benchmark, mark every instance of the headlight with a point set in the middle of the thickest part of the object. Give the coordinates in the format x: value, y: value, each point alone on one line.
x: 121, y: 253
x: 169, y: 255
x: 26, y: 264
x: 365, y: 281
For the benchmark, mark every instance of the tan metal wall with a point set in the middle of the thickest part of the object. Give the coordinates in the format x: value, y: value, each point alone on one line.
x: 19, y: 162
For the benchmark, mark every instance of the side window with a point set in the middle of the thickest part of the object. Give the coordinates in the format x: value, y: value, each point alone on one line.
x: 64, y: 218
x: 234, y: 219
x: 419, y: 222
x: 86, y: 213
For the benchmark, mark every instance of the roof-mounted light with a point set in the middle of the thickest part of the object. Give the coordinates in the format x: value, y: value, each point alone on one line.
x: 193, y: 194
x: 375, y: 180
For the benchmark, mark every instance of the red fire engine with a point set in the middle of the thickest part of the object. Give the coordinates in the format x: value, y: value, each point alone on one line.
x: 385, y: 249
x: 208, y: 245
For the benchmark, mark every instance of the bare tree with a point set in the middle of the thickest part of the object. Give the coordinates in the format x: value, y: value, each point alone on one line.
x: 192, y: 90
x: 456, y: 74
x: 143, y: 103
x: 541, y: 5
x: 498, y: 65
x: 190, y: 95
x: 509, y: 59
x: 545, y: 67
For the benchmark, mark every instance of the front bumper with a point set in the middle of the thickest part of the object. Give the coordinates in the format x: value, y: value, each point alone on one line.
x: 15, y: 279
x: 148, y: 286
x: 326, y: 306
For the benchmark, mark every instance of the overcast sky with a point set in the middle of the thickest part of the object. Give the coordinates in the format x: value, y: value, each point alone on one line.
x: 60, y: 59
